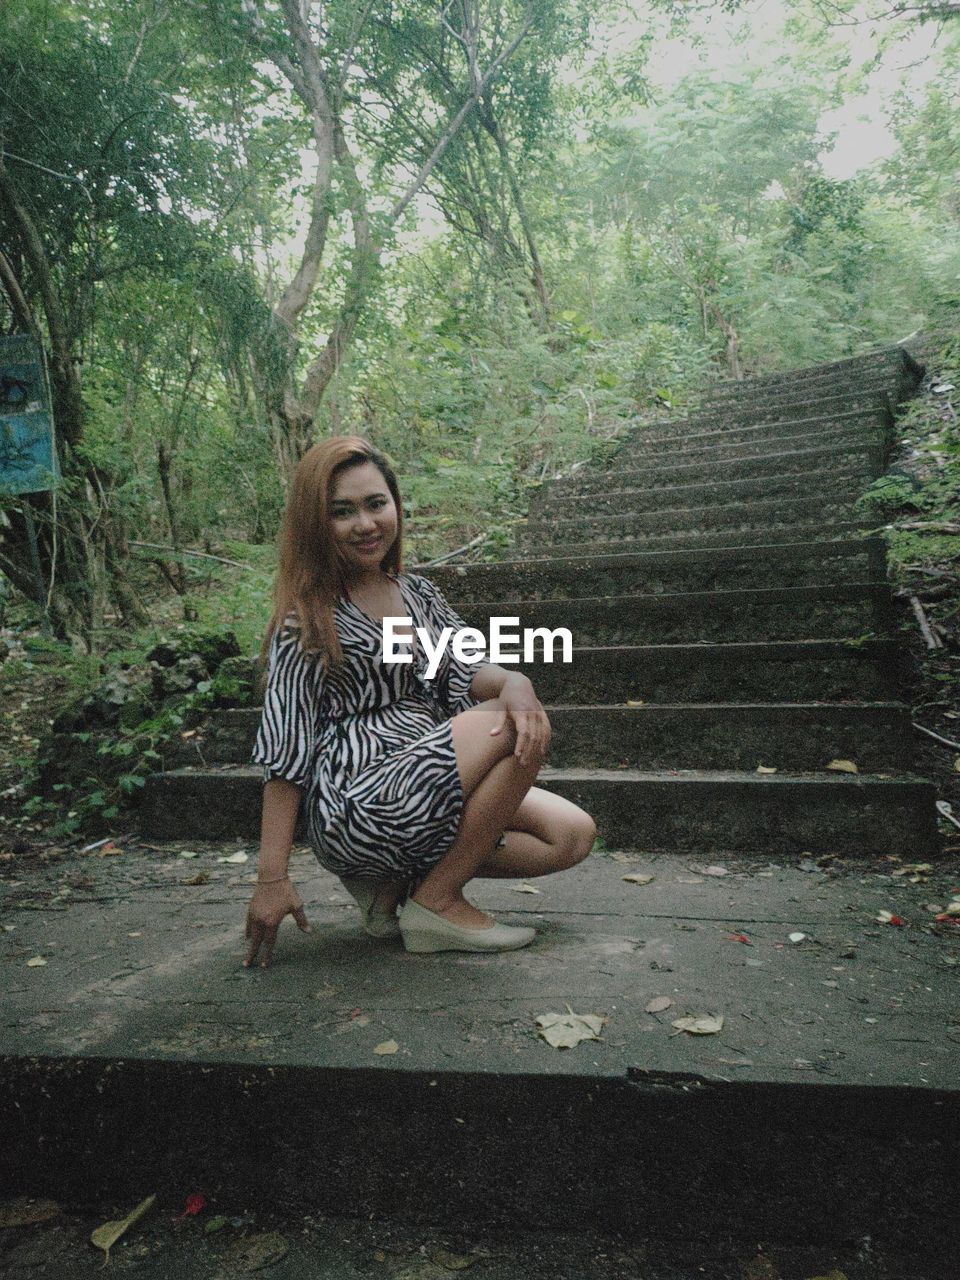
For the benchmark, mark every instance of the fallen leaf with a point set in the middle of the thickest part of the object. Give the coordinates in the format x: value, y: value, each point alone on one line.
x: 798, y: 937
x: 188, y: 853
x: 740, y: 937
x: 524, y: 888
x: 239, y: 856
x: 887, y: 917
x: 106, y: 1236
x: 452, y: 1261
x: 713, y: 871
x: 763, y: 769
x: 386, y: 1047
x: 638, y: 877
x: 917, y: 871
x: 658, y: 1004
x: 255, y: 1253
x: 843, y: 766
x: 216, y: 1223
x: 36, y: 962
x: 25, y: 1213
x: 704, y: 1024
x: 136, y: 934
x: 195, y: 1202
x: 635, y: 702
x: 623, y: 857
x: 689, y: 879
x: 566, y: 1030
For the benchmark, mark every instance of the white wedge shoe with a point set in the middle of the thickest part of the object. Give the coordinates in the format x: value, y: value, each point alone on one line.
x: 423, y: 930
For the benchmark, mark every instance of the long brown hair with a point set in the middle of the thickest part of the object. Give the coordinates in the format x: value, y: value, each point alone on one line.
x: 310, y: 577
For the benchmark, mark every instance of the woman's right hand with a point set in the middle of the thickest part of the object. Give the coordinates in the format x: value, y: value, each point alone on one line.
x: 269, y: 904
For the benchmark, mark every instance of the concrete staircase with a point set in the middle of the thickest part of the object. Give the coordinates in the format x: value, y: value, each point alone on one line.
x: 729, y: 615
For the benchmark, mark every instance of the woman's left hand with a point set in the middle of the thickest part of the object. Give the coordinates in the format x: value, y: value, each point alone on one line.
x: 519, y: 703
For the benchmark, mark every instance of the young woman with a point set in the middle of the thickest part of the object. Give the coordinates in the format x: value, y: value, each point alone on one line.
x: 411, y: 786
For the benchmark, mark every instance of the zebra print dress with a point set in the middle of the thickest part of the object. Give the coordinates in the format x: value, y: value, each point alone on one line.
x: 370, y: 742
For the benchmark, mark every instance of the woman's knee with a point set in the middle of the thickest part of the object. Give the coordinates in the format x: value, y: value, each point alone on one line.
x: 581, y: 831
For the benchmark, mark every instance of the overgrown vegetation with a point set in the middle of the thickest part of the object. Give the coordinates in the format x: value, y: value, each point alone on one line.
x: 235, y: 249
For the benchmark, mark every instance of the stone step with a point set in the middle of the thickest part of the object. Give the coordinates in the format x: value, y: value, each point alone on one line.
x: 761, y: 671
x: 861, y: 428
x: 875, y: 382
x: 837, y: 410
x: 774, y: 513
x: 860, y: 459
x: 893, y: 373
x: 693, y: 810
x: 796, y: 563
x: 767, y: 613
x: 622, y: 497
x: 750, y: 445
x: 796, y: 737
x: 693, y: 540
x: 893, y: 366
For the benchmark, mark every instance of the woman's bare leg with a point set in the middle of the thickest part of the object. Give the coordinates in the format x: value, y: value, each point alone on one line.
x: 494, y: 783
x: 547, y: 833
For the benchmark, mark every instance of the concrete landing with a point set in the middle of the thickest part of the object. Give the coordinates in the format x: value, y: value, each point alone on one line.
x: 141, y: 964
x: 142, y: 1053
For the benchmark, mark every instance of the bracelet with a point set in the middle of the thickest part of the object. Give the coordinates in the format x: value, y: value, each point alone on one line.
x: 276, y: 881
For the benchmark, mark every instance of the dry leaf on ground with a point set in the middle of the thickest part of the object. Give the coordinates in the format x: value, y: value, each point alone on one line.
x: 713, y: 871
x: 386, y: 1047
x: 239, y: 856
x: 704, y: 1024
x: 452, y: 1261
x: 106, y: 1236
x: 255, y: 1253
x: 638, y: 877
x: 566, y: 1030
x: 658, y: 1004
x: 843, y: 766
x: 524, y: 888
x: 36, y: 962
x: 763, y: 769
x: 25, y: 1213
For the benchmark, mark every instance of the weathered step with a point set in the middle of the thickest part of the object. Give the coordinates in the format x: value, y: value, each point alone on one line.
x: 838, y: 482
x: 799, y: 563
x: 692, y: 540
x: 777, y: 513
x: 865, y: 460
x: 679, y: 453
x: 893, y: 365
x: 837, y: 412
x: 683, y: 811
x: 697, y: 810
x: 762, y: 671
x: 766, y: 613
x: 813, y: 383
x: 876, y: 736
x: 857, y: 428
x: 871, y: 384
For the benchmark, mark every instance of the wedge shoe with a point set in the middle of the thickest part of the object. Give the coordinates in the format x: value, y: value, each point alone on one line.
x: 377, y: 922
x: 424, y: 930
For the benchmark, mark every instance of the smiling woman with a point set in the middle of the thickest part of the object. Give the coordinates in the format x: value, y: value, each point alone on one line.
x: 415, y: 776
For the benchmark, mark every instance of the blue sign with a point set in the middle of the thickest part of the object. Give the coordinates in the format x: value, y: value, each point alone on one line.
x: 28, y: 458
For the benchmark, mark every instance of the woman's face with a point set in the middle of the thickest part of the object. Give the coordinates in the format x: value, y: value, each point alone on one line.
x: 363, y: 516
